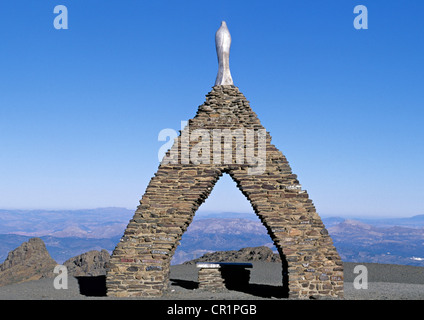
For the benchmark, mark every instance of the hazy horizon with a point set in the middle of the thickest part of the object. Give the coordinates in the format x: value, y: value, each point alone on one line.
x: 203, y: 213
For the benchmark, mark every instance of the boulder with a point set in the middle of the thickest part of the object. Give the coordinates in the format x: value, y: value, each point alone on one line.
x: 261, y: 253
x: 92, y: 263
x: 30, y: 261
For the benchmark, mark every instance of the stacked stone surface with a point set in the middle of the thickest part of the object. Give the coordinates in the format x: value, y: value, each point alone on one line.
x: 210, y: 279
x: 213, y: 276
x: 140, y: 263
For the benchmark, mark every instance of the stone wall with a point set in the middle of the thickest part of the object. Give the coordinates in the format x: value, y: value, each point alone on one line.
x: 140, y: 263
x: 211, y: 279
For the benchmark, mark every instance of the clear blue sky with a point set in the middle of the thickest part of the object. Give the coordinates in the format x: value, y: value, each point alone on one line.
x: 81, y: 109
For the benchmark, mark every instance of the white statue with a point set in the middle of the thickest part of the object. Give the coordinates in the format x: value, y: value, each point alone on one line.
x: 223, y: 43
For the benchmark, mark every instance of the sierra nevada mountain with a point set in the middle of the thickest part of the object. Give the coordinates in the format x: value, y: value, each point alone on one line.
x: 68, y: 233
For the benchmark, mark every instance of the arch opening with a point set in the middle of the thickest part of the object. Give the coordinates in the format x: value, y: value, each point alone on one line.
x: 226, y: 228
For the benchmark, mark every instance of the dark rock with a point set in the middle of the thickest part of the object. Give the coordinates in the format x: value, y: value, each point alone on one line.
x: 30, y: 261
x: 91, y: 263
x: 245, y: 254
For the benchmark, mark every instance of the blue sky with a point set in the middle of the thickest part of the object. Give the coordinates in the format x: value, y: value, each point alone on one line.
x: 81, y: 109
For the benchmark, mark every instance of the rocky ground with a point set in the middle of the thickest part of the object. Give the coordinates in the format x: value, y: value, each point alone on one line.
x: 248, y: 254
x: 386, y: 282
x: 26, y: 275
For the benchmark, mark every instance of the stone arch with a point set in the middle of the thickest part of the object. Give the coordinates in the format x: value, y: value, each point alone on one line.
x: 257, y: 209
x: 140, y: 262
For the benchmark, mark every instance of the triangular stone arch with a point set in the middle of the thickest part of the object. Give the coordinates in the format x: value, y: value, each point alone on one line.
x: 140, y: 262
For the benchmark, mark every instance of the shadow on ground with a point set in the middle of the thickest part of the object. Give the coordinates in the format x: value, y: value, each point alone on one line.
x: 96, y: 287
x: 92, y: 286
x: 258, y: 290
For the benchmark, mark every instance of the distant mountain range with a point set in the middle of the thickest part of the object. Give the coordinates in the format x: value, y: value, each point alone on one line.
x: 394, y: 240
x: 410, y: 222
x: 357, y: 241
x: 220, y: 234
x: 91, y: 223
x: 68, y: 233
